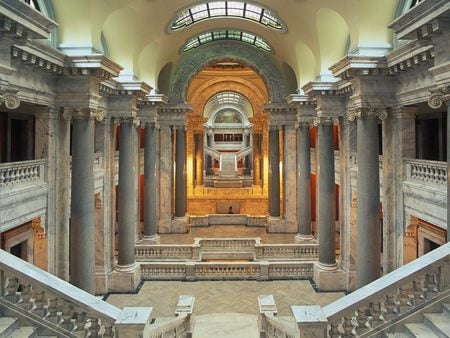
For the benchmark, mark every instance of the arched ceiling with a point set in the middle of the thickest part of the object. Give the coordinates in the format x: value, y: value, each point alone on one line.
x: 136, y: 31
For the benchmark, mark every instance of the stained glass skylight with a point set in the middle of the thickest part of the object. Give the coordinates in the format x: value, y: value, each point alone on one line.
x: 235, y: 9
x: 227, y: 34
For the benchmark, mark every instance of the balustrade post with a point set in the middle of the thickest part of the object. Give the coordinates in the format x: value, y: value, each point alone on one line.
x: 311, y: 321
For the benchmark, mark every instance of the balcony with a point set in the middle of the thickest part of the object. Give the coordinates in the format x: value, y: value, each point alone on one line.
x: 23, y: 192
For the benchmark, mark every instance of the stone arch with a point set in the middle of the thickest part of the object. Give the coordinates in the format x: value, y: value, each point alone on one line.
x: 214, y: 86
x: 235, y: 51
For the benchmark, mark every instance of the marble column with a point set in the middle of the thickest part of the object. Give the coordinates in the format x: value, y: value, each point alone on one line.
x: 274, y: 173
x: 326, y: 194
x: 289, y: 181
x: 303, y: 182
x: 199, y: 159
x: 82, y: 225
x: 180, y: 173
x: 150, y: 182
x: 368, y: 205
x: 127, y: 203
x: 256, y: 159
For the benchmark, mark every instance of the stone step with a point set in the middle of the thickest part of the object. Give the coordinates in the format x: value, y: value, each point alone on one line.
x: 397, y: 335
x: 226, y: 325
x: 440, y: 322
x: 421, y: 330
x: 24, y: 332
x: 7, y: 325
x: 446, y: 308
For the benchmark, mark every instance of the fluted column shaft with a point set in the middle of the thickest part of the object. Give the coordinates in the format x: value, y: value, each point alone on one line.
x: 274, y: 170
x: 304, y: 181
x: 127, y: 202
x: 368, y: 205
x: 180, y: 174
x: 326, y: 194
x: 150, y: 180
x: 82, y: 223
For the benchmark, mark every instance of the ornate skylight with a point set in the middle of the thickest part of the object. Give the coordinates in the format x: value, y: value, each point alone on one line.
x: 235, y: 9
x: 228, y: 34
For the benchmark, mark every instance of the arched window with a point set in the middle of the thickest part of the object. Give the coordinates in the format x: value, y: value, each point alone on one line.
x: 228, y: 34
x: 235, y: 9
x: 45, y: 7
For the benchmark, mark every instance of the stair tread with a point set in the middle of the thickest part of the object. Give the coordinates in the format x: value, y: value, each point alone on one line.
x: 421, y: 330
x: 24, y: 332
x: 397, y: 335
x: 441, y: 321
x: 6, y: 323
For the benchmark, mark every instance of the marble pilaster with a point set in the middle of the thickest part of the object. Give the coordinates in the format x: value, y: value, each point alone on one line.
x: 398, y: 131
x: 199, y: 159
x: 290, y: 178
x: 256, y: 159
x: 274, y: 173
x: 180, y: 173
x: 165, y: 179
x: 52, y: 135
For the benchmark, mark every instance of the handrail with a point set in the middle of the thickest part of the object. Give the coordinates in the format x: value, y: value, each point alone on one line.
x: 244, y: 152
x: 212, y: 152
x: 173, y: 327
x: 40, y: 287
x: 391, y: 297
x: 274, y: 328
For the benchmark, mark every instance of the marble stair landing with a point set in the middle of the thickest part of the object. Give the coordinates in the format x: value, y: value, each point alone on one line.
x: 226, y: 325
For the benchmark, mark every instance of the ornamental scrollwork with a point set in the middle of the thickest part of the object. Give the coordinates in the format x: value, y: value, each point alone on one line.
x: 10, y: 100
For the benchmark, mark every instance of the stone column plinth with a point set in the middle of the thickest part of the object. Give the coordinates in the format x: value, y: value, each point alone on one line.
x: 303, y: 183
x: 368, y: 206
x: 150, y: 183
x: 82, y: 226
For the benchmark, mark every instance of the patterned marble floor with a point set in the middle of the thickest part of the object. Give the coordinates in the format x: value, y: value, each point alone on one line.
x: 223, y: 296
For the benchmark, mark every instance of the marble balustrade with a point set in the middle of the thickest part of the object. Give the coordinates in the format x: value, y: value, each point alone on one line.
x: 230, y: 247
x: 59, y: 307
x: 374, y: 308
x: 258, y: 270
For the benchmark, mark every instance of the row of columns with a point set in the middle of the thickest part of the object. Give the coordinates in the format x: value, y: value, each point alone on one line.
x: 368, y: 191
x: 82, y: 266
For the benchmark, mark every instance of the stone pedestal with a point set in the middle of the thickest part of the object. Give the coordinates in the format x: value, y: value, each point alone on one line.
x: 281, y: 225
x: 311, y: 320
x: 180, y: 225
x: 329, y: 277
x: 134, y: 322
x: 125, y: 278
x: 154, y: 239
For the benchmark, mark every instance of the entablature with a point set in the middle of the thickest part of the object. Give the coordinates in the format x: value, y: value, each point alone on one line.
x: 420, y: 22
x: 19, y: 21
x: 174, y: 114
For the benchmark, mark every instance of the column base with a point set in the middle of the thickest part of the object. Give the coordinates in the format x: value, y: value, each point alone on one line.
x: 280, y: 225
x: 153, y: 239
x: 125, y: 278
x: 177, y: 225
x: 304, y: 238
x: 329, y: 277
x: 101, y: 281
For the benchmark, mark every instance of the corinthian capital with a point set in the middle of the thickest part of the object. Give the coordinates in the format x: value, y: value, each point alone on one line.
x: 84, y: 113
x: 360, y: 113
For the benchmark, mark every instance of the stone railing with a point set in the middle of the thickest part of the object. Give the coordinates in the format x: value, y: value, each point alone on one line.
x: 221, y: 219
x: 230, y: 249
x: 270, y: 326
x: 60, y: 308
x: 273, y: 328
x: 22, y: 173
x: 173, y: 327
x: 374, y: 308
x: 219, y: 270
x: 426, y: 171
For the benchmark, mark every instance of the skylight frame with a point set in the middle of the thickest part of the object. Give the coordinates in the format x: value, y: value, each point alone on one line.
x: 227, y: 9
x: 226, y: 34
